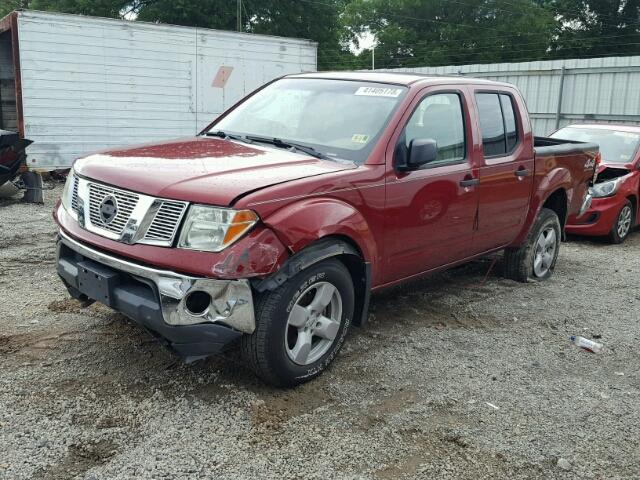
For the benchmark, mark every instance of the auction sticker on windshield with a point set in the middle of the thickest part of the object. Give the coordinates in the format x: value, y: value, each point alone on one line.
x: 379, y: 92
x: 359, y: 138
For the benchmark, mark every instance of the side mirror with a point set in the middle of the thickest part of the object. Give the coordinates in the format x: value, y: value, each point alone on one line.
x: 421, y: 152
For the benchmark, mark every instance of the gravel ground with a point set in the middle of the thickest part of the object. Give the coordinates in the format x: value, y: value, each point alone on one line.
x: 454, y: 377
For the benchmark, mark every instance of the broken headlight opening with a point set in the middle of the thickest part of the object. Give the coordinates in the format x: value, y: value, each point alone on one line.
x: 212, y: 229
x: 606, y: 189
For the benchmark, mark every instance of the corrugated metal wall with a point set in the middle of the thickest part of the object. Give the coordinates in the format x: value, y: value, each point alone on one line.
x: 7, y: 85
x: 90, y: 83
x: 597, y: 89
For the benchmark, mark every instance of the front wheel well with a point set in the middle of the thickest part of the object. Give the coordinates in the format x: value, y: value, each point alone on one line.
x: 634, y: 203
x: 341, y: 248
x: 558, y: 203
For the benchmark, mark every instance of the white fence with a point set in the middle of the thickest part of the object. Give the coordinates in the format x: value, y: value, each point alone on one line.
x: 559, y: 92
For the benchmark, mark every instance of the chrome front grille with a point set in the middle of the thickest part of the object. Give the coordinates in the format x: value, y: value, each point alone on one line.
x: 126, y: 202
x: 138, y: 218
x: 166, y: 221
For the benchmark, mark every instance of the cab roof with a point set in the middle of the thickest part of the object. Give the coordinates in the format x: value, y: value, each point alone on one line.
x: 396, y: 78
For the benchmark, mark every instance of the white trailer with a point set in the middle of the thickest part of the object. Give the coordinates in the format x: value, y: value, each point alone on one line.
x: 74, y: 84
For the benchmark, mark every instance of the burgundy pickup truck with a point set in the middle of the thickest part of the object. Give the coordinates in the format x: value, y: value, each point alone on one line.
x: 274, y: 225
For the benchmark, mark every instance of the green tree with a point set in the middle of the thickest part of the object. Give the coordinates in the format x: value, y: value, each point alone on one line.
x: 589, y: 28
x: 6, y: 6
x: 98, y: 8
x: 442, y: 32
x: 318, y: 21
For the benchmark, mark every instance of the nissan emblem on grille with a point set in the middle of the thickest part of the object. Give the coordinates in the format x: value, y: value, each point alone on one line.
x: 108, y: 209
x: 126, y: 216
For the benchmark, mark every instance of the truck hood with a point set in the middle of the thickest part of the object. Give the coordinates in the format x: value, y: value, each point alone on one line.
x: 202, y: 170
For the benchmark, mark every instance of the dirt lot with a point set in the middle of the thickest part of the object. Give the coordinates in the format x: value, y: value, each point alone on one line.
x: 452, y: 378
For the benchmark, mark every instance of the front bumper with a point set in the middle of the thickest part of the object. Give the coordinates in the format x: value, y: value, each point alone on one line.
x: 599, y: 218
x: 158, y: 299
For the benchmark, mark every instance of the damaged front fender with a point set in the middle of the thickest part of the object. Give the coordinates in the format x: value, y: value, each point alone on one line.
x: 259, y: 254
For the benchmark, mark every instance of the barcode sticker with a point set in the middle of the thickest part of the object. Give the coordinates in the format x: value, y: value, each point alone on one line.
x: 379, y: 92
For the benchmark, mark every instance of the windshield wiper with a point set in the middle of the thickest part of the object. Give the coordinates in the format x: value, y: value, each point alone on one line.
x: 278, y: 142
x: 225, y: 135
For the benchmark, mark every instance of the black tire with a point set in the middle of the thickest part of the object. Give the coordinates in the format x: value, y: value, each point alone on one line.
x: 265, y: 350
x: 519, y: 262
x: 618, y: 234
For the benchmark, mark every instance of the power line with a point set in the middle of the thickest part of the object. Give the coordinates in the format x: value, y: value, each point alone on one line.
x: 574, y: 11
x: 427, y: 20
x: 471, y: 51
x: 348, y: 68
x: 499, y: 43
x: 417, y: 56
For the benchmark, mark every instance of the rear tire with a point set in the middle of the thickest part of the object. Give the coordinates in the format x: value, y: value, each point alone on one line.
x: 301, y: 325
x: 536, y: 258
x: 623, y: 225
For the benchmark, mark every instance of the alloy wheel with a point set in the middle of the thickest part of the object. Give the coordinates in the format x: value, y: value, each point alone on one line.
x: 624, y: 221
x: 545, y: 250
x: 313, y: 323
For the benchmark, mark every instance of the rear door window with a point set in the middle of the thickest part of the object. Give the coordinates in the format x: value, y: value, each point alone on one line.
x: 498, y: 123
x: 510, y: 125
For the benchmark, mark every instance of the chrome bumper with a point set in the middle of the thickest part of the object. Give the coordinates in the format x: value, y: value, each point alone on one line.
x: 586, y: 204
x: 231, y: 300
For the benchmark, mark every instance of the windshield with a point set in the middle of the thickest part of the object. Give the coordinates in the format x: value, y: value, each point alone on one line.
x: 338, y: 118
x: 615, y: 146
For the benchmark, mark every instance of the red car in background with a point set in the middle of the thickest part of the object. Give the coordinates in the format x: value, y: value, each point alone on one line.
x: 614, y: 210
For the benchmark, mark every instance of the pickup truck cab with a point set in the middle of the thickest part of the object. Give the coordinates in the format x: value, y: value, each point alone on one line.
x: 615, y: 209
x: 275, y: 224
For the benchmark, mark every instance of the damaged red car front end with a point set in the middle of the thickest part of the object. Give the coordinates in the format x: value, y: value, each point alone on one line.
x: 614, y: 211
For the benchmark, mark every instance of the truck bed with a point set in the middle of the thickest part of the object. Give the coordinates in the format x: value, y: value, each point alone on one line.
x: 547, y: 146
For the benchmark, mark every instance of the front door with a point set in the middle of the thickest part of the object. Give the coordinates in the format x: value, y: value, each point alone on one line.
x: 430, y: 212
x: 506, y: 178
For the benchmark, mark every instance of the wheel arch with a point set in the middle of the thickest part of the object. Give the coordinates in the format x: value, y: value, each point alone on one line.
x: 340, y: 247
x: 558, y: 201
x: 634, y: 203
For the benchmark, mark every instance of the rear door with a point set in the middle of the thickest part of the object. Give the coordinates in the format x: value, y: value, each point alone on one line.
x: 506, y: 176
x: 430, y: 212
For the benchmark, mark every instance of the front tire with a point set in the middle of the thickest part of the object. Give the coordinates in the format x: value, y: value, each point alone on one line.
x: 623, y: 225
x: 301, y: 325
x: 536, y: 259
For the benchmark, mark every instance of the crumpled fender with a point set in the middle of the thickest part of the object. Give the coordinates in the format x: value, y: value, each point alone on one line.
x: 259, y: 254
x: 302, y: 223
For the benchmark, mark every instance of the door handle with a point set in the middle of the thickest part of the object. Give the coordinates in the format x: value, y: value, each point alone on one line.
x: 469, y: 182
x: 522, y: 172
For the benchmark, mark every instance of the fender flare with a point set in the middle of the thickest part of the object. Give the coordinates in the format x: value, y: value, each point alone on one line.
x: 538, y: 198
x: 318, y: 251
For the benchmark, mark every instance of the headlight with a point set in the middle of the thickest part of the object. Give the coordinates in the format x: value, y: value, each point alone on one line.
x: 606, y: 189
x: 67, y: 192
x: 213, y: 229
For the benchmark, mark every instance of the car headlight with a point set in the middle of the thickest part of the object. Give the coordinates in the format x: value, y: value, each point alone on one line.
x: 212, y: 229
x: 67, y: 192
x: 606, y: 189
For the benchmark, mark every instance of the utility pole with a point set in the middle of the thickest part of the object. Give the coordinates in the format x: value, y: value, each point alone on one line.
x: 239, y: 14
x: 373, y: 58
